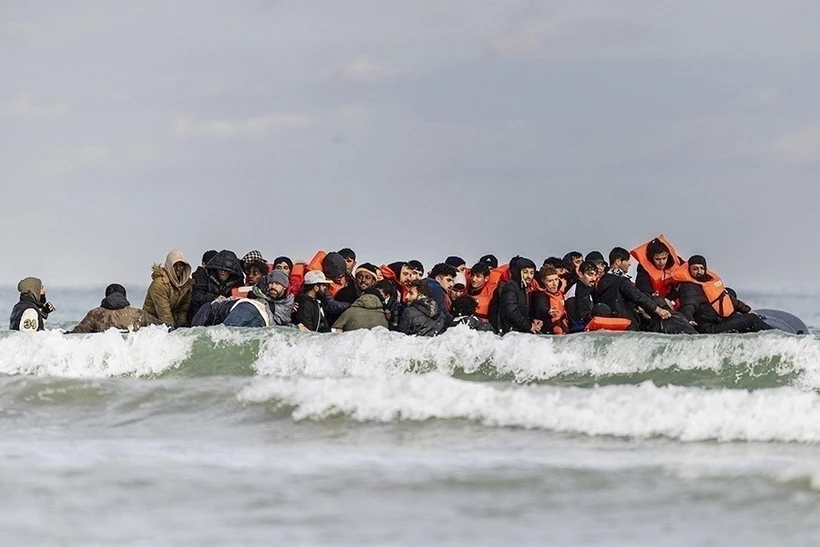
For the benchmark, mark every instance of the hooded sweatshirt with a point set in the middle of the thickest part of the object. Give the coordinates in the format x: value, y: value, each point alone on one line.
x: 366, y: 312
x: 513, y: 300
x: 169, y: 298
x: 28, y: 314
x: 207, y: 286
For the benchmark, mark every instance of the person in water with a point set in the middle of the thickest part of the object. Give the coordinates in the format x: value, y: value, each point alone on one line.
x: 33, y: 308
x: 114, y: 312
x: 223, y: 273
x: 709, y: 306
x: 421, y: 315
x: 616, y: 290
x: 310, y: 315
x: 366, y: 312
x: 513, y: 299
x: 169, y: 295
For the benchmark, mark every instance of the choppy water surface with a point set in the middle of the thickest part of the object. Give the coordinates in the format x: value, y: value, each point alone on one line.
x: 253, y: 437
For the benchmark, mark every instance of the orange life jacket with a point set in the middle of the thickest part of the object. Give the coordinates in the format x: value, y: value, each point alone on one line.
x: 316, y: 262
x: 608, y: 323
x: 661, y: 279
x: 486, y: 295
x: 714, y: 290
x: 297, y: 278
x: 561, y: 324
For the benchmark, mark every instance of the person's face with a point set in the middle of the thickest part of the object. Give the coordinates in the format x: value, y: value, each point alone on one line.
x: 527, y: 275
x: 562, y: 271
x: 350, y: 264
x: 659, y: 260
x: 552, y: 282
x: 623, y: 265
x: 222, y: 275
x: 283, y: 266
x: 589, y: 278
x: 179, y: 269
x: 462, y: 268
x: 601, y: 268
x: 577, y: 261
x: 321, y: 289
x: 457, y: 291
x: 254, y: 275
x: 411, y: 295
x: 364, y: 281
x: 406, y: 275
x: 697, y: 270
x: 446, y: 281
x: 276, y: 290
x: 417, y: 274
x: 478, y: 281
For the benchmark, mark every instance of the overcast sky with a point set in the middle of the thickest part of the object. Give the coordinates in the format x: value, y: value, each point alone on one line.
x: 408, y: 129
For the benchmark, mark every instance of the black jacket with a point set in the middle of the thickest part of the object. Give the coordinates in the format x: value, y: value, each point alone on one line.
x: 27, y: 303
x: 311, y: 314
x: 513, y: 301
x: 349, y: 294
x: 207, y: 286
x: 578, y: 304
x: 623, y: 298
x: 422, y: 318
x: 696, y: 307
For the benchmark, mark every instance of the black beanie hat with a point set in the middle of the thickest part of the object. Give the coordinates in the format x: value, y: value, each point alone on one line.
x: 455, y: 261
x: 595, y: 256
x: 489, y: 260
x: 286, y: 260
x: 698, y: 259
x: 114, y: 287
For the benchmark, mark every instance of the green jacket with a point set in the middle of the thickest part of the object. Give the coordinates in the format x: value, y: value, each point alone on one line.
x: 365, y: 313
x: 166, y: 301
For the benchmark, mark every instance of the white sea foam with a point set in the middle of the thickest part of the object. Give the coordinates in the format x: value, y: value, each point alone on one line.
x: 147, y: 352
x: 525, y: 357
x: 644, y: 411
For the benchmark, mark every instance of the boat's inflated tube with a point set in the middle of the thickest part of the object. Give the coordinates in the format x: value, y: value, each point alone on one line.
x: 784, y: 321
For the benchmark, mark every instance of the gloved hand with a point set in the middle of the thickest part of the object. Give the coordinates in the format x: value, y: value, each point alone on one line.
x: 48, y: 307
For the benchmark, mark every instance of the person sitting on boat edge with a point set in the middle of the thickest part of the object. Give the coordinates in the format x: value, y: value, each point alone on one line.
x: 421, y: 315
x: 366, y: 312
x: 114, y: 312
x: 513, y: 299
x: 709, y: 306
x: 32, y: 310
x: 169, y: 295
x: 310, y: 315
x: 464, y: 314
x: 547, y: 303
x: 578, y: 299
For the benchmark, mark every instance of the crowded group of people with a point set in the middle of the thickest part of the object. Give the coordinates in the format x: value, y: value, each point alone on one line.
x: 335, y: 293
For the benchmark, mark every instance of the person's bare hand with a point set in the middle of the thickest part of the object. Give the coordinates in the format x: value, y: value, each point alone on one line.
x: 662, y: 313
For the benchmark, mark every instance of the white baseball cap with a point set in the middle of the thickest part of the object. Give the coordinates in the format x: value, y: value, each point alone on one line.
x: 315, y: 277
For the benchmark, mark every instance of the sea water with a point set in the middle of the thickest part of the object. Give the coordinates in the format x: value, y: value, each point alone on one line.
x: 273, y: 437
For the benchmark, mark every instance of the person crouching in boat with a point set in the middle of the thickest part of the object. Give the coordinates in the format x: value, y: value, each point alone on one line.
x: 32, y: 310
x: 709, y: 306
x: 114, y: 312
x: 616, y: 290
x: 421, y: 315
x: 464, y: 314
x: 513, y: 299
x: 169, y: 295
x: 223, y: 273
x: 547, y: 302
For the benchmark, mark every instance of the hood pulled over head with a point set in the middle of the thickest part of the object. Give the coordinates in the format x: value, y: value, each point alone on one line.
x: 173, y: 257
